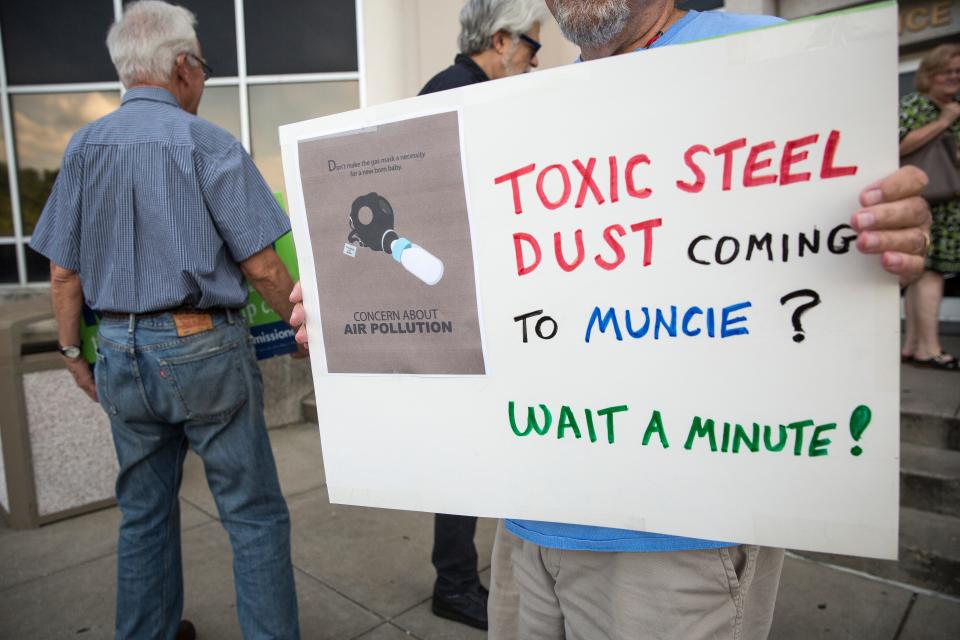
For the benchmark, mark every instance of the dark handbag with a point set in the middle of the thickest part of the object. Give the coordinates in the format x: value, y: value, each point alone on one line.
x: 939, y: 159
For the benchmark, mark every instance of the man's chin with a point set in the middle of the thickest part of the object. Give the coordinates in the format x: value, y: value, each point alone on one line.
x: 592, y: 24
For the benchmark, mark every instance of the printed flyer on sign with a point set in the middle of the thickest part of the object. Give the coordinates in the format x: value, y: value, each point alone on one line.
x: 391, y: 241
x: 650, y: 261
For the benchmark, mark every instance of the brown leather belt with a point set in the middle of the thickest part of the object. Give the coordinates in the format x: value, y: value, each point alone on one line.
x: 183, y: 309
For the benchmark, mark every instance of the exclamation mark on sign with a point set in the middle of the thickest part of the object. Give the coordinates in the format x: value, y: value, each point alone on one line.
x: 859, y: 421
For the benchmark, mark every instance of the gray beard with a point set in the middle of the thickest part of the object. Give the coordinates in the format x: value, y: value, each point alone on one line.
x: 508, y: 68
x: 592, y: 24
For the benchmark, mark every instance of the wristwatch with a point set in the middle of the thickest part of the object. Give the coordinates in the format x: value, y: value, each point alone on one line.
x: 71, y: 351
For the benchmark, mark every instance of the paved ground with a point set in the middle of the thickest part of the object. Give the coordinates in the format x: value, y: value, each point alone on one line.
x: 365, y: 573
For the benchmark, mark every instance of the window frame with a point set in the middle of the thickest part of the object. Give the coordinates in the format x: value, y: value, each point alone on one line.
x: 242, y: 81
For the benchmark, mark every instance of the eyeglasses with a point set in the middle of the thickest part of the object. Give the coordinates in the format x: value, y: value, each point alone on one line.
x: 534, y: 45
x: 207, y: 69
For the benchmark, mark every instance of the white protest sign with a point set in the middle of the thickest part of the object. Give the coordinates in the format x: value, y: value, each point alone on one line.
x: 620, y: 293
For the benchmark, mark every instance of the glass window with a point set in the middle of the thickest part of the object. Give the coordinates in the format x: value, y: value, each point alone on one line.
x: 304, y: 36
x: 221, y: 106
x: 55, y: 41
x: 216, y: 31
x: 6, y: 211
x: 277, y: 104
x: 907, y: 83
x: 8, y: 264
x: 38, y: 266
x: 43, y: 125
x: 699, y: 5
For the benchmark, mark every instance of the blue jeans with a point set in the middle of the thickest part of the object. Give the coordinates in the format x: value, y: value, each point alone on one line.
x: 164, y: 394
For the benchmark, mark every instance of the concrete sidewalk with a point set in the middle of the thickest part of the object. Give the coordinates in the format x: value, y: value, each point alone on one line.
x: 366, y: 573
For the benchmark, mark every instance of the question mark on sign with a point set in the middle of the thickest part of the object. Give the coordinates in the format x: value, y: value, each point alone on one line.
x: 801, y: 309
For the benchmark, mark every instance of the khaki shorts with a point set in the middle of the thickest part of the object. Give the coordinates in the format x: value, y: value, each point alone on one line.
x: 538, y: 593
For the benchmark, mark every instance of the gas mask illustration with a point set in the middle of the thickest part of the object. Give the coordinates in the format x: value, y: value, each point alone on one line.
x: 378, y: 234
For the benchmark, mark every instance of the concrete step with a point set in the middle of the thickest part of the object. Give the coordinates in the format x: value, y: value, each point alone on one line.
x: 930, y: 400
x: 930, y: 430
x: 930, y: 479
x: 929, y: 475
x: 925, y: 429
x: 929, y: 532
x: 929, y: 553
x: 309, y: 407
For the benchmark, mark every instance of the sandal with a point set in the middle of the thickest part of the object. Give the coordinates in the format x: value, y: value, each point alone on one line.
x: 944, y: 362
x: 905, y: 359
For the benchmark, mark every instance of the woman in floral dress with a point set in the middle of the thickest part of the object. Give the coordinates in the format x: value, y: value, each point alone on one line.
x: 924, y: 116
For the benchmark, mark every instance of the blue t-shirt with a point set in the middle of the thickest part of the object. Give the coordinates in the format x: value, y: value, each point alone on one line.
x: 695, y: 25
x: 700, y: 25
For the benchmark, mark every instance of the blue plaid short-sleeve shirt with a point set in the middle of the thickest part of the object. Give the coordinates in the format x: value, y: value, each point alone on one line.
x: 154, y: 207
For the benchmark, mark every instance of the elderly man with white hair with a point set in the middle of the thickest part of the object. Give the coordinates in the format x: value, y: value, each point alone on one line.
x: 498, y: 38
x: 155, y: 219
